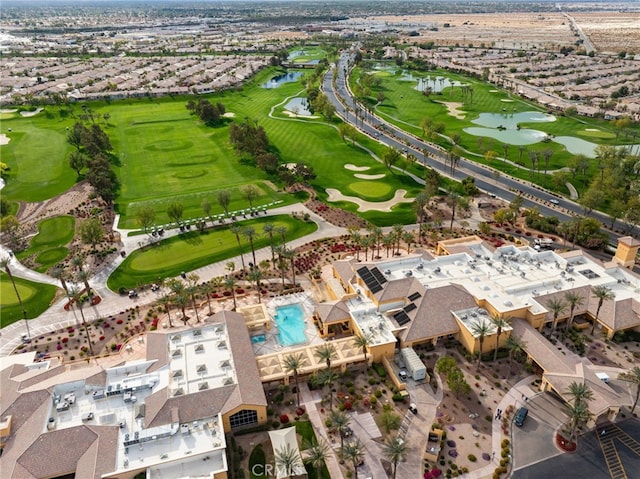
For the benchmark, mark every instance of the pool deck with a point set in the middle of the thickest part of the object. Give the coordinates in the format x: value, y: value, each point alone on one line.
x: 271, y: 344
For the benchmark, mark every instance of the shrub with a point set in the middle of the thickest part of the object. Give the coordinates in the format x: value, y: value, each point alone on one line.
x: 472, y: 458
x: 284, y: 418
x: 378, y: 393
x: 275, y: 424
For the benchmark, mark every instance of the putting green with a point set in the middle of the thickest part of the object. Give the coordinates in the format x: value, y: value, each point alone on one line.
x: 374, y: 190
x: 36, y: 298
x: 193, y: 250
x: 54, y: 232
x: 49, y: 257
x: 593, y: 133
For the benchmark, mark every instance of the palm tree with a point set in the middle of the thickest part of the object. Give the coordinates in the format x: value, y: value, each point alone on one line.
x: 269, y: 228
x: 282, y: 261
x: 603, y: 294
x: 235, y: 229
x: 166, y: 301
x: 255, y: 275
x: 363, y: 341
x: 395, y: 449
x: 515, y: 348
x: 480, y: 329
x: 207, y: 288
x: 4, y: 264
x: 249, y: 232
x: 292, y: 364
x: 388, y: 241
x: 180, y: 297
x: 397, y: 231
x: 557, y: 307
x: 632, y: 376
x: 578, y: 414
x: 316, y: 454
x: 353, y: 451
x: 419, y: 203
x: 84, y: 277
x: 290, y: 254
x: 230, y: 284
x: 408, y: 238
x: 339, y: 422
x: 58, y: 273
x: 325, y: 377
x: 192, y: 288
x: 288, y: 459
x: 580, y: 392
x: 282, y: 231
x: 573, y: 300
x: 325, y: 352
x: 500, y: 323
x: 74, y: 293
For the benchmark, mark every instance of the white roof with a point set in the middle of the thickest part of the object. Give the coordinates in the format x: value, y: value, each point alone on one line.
x: 282, y: 439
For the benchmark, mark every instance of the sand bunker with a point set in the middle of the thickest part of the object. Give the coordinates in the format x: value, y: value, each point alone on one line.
x: 452, y: 108
x: 362, y: 176
x: 506, y: 100
x: 591, y: 129
x: 385, y: 206
x: 5, y: 110
x: 297, y: 115
x: 31, y: 113
x: 493, y: 91
x: 229, y: 114
x: 351, y: 167
x: 4, y: 139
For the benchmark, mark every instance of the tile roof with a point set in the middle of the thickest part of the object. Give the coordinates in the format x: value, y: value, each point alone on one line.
x: 334, y: 312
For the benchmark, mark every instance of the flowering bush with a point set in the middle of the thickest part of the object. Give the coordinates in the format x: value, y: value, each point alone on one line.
x: 65, y: 340
x: 101, y: 338
x: 70, y: 329
x: 284, y: 418
x: 119, y: 321
x: 348, y: 406
x: 59, y: 347
x: 300, y: 411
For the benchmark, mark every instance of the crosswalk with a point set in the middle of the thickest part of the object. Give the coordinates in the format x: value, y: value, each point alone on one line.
x: 607, y: 438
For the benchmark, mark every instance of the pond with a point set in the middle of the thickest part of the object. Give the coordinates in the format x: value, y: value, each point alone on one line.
x: 299, y: 106
x: 523, y: 136
x: 511, y: 120
x: 577, y: 146
x: 276, y: 81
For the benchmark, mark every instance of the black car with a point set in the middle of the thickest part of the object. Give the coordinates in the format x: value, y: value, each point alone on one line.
x: 521, y: 415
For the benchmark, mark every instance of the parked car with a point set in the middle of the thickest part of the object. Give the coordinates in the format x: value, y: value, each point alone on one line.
x: 521, y: 415
x: 413, y: 408
x: 133, y: 294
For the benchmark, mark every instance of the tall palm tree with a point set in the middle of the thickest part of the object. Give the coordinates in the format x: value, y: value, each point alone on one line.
x: 59, y: 274
x: 632, y: 376
x: 290, y: 255
x: 325, y: 352
x: 316, y: 454
x: 481, y: 329
x: 339, y: 422
x: 363, y: 341
x: 356, y: 239
x: 84, y: 277
x: 500, y: 323
x: 255, y: 275
x: 353, y: 451
x: 515, y: 348
x: 4, y: 264
x: 230, y: 284
x: 325, y: 378
x: 603, y: 294
x: 408, y: 238
x: 574, y: 300
x: 578, y: 415
x: 207, y: 288
x: 557, y: 307
x: 395, y: 449
x: 192, y: 288
x: 75, y: 293
x: 397, y: 231
x: 580, y: 392
x: 180, y: 296
x: 282, y: 261
x: 419, y: 204
x: 269, y: 229
x: 388, y: 241
x: 292, y: 364
x: 282, y: 232
x: 249, y: 232
x: 235, y: 229
x: 288, y: 459
x: 166, y: 301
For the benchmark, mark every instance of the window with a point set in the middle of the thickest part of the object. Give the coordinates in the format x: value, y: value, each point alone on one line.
x: 242, y: 418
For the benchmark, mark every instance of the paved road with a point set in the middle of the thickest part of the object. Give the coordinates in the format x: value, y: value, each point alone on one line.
x: 506, y: 187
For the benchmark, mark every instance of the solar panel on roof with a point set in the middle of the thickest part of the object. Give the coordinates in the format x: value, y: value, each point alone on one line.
x: 401, y: 317
x: 375, y: 288
x: 410, y: 307
x: 362, y: 270
x: 414, y: 296
x: 377, y: 274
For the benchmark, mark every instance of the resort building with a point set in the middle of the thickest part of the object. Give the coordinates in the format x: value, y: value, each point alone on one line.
x: 161, y: 406
x: 421, y: 299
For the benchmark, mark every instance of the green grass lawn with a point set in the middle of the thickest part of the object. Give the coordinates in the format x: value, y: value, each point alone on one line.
x: 305, y: 429
x: 49, y: 244
x: 37, y: 156
x: 36, y: 298
x: 192, y: 250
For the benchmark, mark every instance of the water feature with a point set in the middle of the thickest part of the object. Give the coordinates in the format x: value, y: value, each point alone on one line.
x: 511, y: 120
x: 276, y: 81
x: 290, y: 321
x: 577, y: 146
x: 299, y: 106
x: 258, y: 338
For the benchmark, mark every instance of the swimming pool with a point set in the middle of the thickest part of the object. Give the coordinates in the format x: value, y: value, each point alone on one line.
x: 290, y: 321
x: 258, y: 338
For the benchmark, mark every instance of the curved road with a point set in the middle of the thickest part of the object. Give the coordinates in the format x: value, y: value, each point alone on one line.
x: 506, y: 187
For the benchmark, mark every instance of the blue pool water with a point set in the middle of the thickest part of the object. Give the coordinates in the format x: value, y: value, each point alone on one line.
x: 290, y: 321
x: 276, y: 81
x: 258, y: 338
